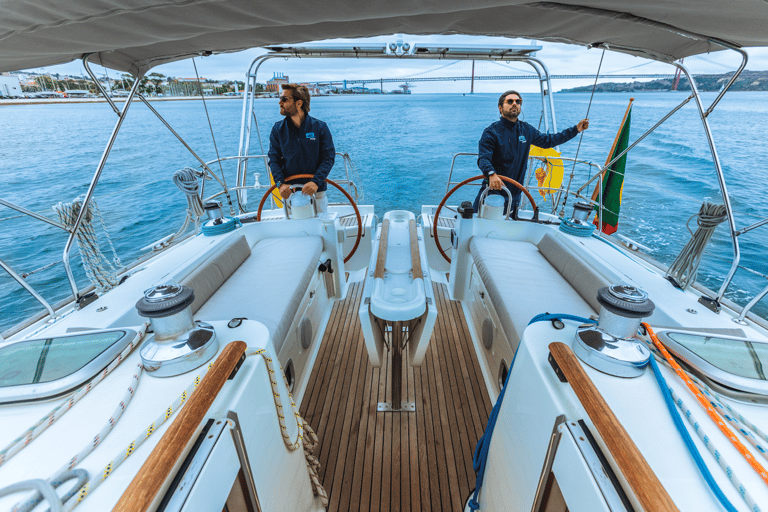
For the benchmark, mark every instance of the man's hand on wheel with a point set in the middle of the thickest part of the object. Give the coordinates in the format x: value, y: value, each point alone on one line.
x: 495, y: 182
x: 310, y: 188
x: 285, y: 190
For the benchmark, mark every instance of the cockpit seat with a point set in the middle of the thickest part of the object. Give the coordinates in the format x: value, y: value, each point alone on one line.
x: 268, y: 286
x: 524, y: 280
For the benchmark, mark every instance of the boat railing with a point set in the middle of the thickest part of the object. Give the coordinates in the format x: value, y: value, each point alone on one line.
x: 349, y: 170
x: 557, y: 192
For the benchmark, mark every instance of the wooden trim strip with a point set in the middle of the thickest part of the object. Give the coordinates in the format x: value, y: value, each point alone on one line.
x: 381, y: 258
x: 415, y: 255
x: 143, y: 490
x: 641, y: 478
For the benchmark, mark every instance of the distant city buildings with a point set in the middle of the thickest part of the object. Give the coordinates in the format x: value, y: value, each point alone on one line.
x: 273, y: 84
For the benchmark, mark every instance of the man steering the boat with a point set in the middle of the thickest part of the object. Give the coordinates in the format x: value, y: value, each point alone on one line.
x: 504, y: 146
x: 300, y: 144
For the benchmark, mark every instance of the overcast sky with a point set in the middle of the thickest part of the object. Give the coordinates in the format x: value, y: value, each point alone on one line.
x: 561, y: 59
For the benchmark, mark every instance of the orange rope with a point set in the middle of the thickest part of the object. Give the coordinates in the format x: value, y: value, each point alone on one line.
x: 713, y: 414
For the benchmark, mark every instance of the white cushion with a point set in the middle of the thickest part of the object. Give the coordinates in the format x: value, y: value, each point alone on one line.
x: 268, y: 286
x: 209, y: 276
x: 521, y: 284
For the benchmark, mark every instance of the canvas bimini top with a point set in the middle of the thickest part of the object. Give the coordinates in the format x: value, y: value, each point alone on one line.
x: 136, y: 35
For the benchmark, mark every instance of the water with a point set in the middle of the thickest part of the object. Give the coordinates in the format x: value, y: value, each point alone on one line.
x: 402, y: 145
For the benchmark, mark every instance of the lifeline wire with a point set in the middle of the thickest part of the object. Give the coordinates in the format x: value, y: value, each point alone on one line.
x: 218, y: 158
x: 581, y: 136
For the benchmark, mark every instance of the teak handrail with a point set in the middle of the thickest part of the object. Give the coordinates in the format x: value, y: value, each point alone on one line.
x: 639, y: 475
x: 143, y: 490
x: 381, y: 257
x: 415, y: 255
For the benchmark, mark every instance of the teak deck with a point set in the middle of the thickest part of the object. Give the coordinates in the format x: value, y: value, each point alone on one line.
x: 412, y: 461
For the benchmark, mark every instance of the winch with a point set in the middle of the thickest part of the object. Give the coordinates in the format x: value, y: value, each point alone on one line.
x: 180, y: 344
x: 217, y: 223
x: 612, y: 346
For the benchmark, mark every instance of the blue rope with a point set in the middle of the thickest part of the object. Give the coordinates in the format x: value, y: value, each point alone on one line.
x: 688, y: 441
x: 480, y: 457
x: 580, y: 230
x: 228, y: 225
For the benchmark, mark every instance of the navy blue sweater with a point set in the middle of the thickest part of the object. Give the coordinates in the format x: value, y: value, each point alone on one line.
x: 504, y: 148
x: 307, y: 149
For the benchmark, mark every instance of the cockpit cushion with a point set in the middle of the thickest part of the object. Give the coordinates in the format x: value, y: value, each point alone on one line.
x: 268, y: 286
x: 521, y: 284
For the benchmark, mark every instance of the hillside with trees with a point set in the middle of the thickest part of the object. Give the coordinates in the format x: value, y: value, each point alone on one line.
x: 747, y: 81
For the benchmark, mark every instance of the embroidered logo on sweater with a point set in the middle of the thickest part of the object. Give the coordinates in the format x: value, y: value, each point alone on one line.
x: 522, y: 138
x: 311, y: 135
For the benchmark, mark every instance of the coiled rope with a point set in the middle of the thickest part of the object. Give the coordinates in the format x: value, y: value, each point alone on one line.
x: 575, y: 229
x: 100, y: 271
x: 186, y: 181
x: 685, y: 267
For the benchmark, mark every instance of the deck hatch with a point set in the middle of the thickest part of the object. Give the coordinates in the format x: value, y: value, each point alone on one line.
x: 46, y: 367
x: 733, y: 362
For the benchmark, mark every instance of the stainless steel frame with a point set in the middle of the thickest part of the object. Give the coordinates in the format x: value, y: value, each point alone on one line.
x: 16, y: 277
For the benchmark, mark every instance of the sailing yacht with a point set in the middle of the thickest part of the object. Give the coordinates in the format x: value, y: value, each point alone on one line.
x: 281, y: 359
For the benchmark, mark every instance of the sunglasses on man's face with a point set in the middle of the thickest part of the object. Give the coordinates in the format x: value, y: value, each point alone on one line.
x: 512, y: 102
x: 283, y: 99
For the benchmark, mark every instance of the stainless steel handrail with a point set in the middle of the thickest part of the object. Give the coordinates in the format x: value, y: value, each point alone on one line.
x: 92, y: 186
x: 751, y: 304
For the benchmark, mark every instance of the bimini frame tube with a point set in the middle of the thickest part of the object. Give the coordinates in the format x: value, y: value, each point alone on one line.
x: 249, y: 97
x: 92, y: 186
x: 720, y: 178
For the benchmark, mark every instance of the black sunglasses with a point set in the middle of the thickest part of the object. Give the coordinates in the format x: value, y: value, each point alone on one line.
x: 512, y: 102
x: 283, y: 99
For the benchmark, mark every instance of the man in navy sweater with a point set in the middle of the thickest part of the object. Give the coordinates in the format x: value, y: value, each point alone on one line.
x: 300, y: 144
x: 504, y: 146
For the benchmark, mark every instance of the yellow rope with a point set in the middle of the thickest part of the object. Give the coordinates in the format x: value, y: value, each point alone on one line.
x: 306, y: 435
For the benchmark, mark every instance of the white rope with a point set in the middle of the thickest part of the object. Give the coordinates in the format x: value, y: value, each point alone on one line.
x: 49, y: 419
x: 122, y: 455
x: 686, y: 266
x: 100, y: 271
x: 186, y: 180
x: 714, y: 451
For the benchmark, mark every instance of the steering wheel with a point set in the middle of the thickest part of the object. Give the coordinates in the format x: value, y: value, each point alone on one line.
x: 470, y: 180
x: 330, y: 182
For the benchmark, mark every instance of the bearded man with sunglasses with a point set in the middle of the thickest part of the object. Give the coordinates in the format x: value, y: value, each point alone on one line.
x: 300, y: 144
x: 504, y: 146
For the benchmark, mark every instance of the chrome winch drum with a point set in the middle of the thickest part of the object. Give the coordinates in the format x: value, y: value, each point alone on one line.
x: 612, y: 346
x: 581, y: 213
x: 213, y: 210
x: 179, y: 344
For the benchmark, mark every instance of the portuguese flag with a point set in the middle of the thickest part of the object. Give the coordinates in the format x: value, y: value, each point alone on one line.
x: 613, y: 178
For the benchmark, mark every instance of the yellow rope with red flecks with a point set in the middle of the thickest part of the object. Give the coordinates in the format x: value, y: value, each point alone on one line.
x: 306, y: 435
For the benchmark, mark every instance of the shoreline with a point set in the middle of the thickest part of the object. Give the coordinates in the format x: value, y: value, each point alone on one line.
x: 48, y: 101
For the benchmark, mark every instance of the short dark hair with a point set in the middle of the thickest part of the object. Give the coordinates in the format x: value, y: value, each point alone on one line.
x: 299, y: 92
x: 501, y: 98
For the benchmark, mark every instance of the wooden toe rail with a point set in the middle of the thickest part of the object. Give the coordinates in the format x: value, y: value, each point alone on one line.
x: 641, y: 478
x: 415, y: 255
x: 143, y: 490
x: 381, y: 257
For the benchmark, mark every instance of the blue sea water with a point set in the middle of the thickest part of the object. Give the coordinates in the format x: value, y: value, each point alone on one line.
x: 402, y: 145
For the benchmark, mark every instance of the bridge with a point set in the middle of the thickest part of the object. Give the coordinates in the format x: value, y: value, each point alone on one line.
x: 364, y: 81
